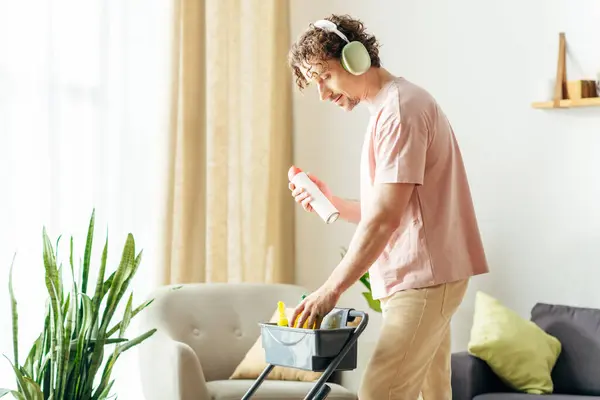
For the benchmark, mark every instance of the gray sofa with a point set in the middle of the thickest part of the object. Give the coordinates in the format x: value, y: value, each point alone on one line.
x: 576, y: 374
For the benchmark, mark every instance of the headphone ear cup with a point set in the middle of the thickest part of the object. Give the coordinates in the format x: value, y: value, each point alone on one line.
x: 355, y: 58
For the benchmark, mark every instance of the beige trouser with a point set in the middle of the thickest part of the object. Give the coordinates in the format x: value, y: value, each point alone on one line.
x: 412, y: 354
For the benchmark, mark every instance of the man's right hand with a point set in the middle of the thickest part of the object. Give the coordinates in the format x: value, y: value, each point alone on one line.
x: 302, y: 197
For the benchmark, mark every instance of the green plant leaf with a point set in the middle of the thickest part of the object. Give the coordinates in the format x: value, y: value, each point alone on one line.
x: 88, y: 253
x: 130, y: 274
x: 59, y: 289
x: 99, y: 292
x: 80, y: 366
x: 51, y: 286
x: 133, y: 314
x: 107, y: 284
x: 71, y: 315
x: 134, y: 342
x: 126, y: 317
x: 32, y: 357
x: 78, y: 307
x: 44, y: 368
x: 373, y: 304
x: 15, y: 394
x: 56, y: 353
x: 125, y: 266
x: 14, y: 312
x: 71, y: 258
x: 33, y: 389
x: 366, y: 281
x: 39, y: 355
x: 92, y: 342
x: 20, y: 381
x: 106, y: 391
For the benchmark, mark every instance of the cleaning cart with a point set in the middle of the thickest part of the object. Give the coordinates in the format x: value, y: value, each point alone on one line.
x: 319, y: 350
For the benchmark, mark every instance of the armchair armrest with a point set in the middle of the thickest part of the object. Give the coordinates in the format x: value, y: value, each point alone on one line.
x: 471, y: 377
x: 170, y: 370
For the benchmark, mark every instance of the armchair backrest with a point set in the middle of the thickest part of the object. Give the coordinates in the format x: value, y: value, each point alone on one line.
x: 219, y: 321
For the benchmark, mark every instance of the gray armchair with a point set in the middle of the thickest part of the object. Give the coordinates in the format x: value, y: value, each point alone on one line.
x: 204, y: 332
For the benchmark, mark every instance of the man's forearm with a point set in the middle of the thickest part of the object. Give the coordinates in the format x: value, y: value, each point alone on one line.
x: 367, y: 244
x: 349, y: 209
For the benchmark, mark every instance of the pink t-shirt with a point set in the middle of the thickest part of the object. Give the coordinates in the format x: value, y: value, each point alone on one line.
x: 409, y: 140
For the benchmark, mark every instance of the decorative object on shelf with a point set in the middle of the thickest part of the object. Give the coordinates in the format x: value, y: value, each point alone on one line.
x: 577, y: 93
x: 365, y: 280
x: 65, y: 359
x: 581, y: 89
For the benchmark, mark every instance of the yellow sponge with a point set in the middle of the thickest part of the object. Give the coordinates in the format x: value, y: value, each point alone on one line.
x: 283, y: 321
x: 305, y: 326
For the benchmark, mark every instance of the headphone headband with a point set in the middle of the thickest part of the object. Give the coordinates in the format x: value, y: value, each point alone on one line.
x: 330, y: 27
x: 354, y: 56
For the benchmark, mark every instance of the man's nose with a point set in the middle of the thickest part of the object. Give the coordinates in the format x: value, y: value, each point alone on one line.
x: 323, y: 92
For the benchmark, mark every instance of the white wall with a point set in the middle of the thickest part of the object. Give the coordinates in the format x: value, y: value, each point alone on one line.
x: 534, y: 173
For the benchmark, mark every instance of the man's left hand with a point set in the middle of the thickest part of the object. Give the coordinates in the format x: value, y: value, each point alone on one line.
x: 314, y: 307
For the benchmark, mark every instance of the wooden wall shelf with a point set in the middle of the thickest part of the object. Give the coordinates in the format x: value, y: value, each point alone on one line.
x: 560, y: 98
x: 589, y: 102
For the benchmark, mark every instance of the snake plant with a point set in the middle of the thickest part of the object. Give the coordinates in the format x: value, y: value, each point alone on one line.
x: 79, y: 336
x: 366, y: 281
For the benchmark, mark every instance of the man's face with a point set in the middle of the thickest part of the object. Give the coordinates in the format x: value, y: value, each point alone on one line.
x: 335, y: 84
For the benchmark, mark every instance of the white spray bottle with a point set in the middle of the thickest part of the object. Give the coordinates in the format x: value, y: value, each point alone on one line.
x: 320, y: 203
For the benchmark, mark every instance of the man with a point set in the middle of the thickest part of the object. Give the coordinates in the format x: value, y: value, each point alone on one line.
x: 416, y: 232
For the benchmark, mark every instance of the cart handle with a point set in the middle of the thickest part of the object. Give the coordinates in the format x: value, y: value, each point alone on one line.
x: 364, y: 320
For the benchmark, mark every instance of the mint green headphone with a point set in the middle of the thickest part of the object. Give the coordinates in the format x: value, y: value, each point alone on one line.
x: 355, y: 57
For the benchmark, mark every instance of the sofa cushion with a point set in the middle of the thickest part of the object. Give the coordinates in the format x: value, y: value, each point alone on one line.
x: 271, y: 390
x: 577, y: 370
x: 516, y: 349
x: 520, y: 396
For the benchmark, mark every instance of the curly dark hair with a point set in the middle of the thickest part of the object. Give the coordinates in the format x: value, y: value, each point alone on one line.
x: 315, y: 46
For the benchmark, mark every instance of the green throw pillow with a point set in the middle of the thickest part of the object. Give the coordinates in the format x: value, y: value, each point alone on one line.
x: 516, y: 349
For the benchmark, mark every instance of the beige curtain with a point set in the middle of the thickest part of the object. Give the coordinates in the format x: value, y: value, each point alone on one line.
x: 230, y: 215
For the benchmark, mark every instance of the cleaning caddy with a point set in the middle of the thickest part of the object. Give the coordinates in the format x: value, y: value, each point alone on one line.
x: 332, y: 347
